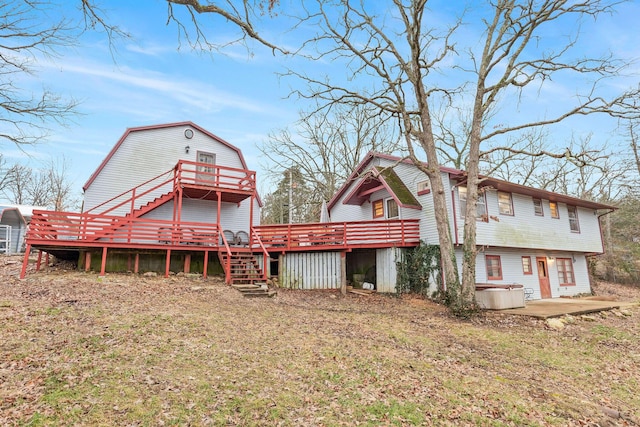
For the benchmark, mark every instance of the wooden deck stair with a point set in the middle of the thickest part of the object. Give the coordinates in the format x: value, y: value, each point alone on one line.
x: 151, y: 205
x: 137, y: 213
x: 246, y: 274
x: 255, y: 290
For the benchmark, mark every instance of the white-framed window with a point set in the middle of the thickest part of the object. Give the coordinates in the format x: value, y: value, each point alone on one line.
x: 537, y: 207
x: 392, y: 208
x: 572, y: 213
x: 481, y: 208
x: 206, y: 172
x: 505, y: 203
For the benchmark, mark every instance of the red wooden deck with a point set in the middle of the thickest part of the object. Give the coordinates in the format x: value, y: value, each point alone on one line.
x: 83, y: 230
x: 100, y: 228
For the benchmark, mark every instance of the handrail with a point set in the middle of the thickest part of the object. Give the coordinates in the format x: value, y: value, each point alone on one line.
x: 227, y: 275
x: 206, y: 174
x: 265, y: 253
x: 129, y: 191
x: 187, y: 173
x: 339, y: 234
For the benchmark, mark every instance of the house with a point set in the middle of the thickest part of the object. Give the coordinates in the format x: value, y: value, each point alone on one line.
x: 172, y: 193
x: 176, y: 198
x: 535, y: 238
x: 12, y: 230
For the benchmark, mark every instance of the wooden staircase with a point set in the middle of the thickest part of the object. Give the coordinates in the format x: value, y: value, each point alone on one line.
x: 151, y: 205
x: 246, y: 274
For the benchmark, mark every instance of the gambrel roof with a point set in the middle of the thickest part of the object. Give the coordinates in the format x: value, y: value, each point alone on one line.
x: 160, y: 126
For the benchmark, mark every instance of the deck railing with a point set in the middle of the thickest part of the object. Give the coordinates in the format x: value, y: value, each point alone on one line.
x: 83, y: 230
x: 184, y: 173
x: 223, y: 177
x: 340, y: 234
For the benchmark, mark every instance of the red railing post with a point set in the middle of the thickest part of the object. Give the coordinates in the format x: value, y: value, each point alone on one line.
x: 103, y: 266
x: 133, y: 202
x: 25, y: 261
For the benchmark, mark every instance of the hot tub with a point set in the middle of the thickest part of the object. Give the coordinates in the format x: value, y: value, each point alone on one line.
x: 500, y: 298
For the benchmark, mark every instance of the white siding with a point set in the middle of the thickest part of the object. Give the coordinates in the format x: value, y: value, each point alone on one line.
x: 147, y: 153
x: 524, y: 229
x: 310, y: 270
x: 511, y: 262
x: 232, y: 216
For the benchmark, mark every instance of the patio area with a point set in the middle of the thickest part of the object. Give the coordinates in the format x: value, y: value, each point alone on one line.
x: 557, y: 307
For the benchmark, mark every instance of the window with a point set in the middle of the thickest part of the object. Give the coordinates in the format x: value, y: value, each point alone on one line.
x: 553, y: 207
x: 526, y: 265
x: 565, y: 271
x: 378, y: 209
x: 537, y: 207
x: 392, y: 208
x: 505, y: 203
x: 424, y: 187
x: 494, y: 268
x: 572, y: 212
x: 481, y: 208
x: 204, y: 172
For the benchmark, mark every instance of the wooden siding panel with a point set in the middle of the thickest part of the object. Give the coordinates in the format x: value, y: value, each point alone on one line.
x: 511, y: 262
x: 148, y: 153
x: 233, y: 218
x: 310, y: 270
x: 386, y: 269
x: 524, y: 229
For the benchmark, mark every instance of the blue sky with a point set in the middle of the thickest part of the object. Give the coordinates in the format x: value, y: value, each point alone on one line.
x: 236, y: 95
x: 149, y: 80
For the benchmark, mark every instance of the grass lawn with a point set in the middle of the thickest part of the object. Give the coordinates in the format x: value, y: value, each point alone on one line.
x: 131, y: 350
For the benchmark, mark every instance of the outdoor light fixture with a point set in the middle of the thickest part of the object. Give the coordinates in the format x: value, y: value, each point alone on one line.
x: 186, y: 149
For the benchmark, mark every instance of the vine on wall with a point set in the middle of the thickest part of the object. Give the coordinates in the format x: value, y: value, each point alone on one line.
x: 417, y: 268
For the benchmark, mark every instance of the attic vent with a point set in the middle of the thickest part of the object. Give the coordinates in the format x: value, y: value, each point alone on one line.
x: 188, y: 133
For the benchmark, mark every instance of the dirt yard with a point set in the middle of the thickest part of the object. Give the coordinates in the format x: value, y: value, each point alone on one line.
x: 77, y: 349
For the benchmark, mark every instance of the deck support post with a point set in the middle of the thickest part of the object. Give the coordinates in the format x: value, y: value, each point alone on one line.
x: 187, y: 263
x: 343, y: 273
x: 103, y: 266
x: 167, y: 263
x: 206, y: 264
x: 136, y: 263
x: 46, y: 259
x: 25, y: 261
x: 39, y: 260
x: 87, y: 261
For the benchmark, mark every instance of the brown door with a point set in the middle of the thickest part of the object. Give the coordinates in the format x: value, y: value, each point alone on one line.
x: 543, y: 277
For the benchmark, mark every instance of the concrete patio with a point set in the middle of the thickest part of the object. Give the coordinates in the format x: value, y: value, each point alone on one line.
x: 557, y: 307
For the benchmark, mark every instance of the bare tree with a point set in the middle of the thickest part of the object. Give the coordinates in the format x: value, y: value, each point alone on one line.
x: 60, y: 185
x: 49, y: 186
x: 325, y: 148
x: 17, y: 180
x: 402, y: 54
x: 632, y: 128
x: 24, y: 34
x: 27, y: 33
